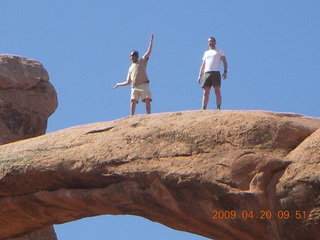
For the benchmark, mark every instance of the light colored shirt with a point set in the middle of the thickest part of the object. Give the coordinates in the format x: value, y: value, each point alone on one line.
x: 138, y: 72
x: 212, y: 60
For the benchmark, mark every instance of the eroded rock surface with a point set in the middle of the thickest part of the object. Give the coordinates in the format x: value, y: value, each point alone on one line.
x: 179, y: 169
x: 27, y: 99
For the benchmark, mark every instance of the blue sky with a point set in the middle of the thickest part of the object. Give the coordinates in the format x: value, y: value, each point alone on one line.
x: 272, y: 48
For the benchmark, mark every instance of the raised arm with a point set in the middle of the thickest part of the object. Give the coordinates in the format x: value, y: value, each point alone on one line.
x: 147, y: 54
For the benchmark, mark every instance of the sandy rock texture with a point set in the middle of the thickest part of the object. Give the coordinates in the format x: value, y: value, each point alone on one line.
x: 27, y: 99
x: 221, y: 174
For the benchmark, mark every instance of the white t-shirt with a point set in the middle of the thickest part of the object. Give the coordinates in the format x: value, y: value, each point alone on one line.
x: 212, y: 60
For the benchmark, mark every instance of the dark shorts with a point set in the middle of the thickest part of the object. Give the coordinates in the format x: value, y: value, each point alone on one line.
x: 211, y: 79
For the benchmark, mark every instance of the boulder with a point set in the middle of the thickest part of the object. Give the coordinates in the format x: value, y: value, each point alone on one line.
x: 220, y: 174
x: 27, y: 98
x: 17, y: 72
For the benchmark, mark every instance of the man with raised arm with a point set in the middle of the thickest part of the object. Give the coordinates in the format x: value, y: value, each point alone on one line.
x: 137, y: 76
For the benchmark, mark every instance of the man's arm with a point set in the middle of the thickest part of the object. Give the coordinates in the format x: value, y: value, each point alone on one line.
x: 201, y: 71
x: 126, y: 83
x: 225, y: 66
x: 147, y: 54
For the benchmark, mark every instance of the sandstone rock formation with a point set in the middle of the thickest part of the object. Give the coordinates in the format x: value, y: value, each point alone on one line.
x: 220, y: 174
x: 27, y: 100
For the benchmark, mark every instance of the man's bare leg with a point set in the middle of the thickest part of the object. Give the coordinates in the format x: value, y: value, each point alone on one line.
x: 218, y: 96
x: 148, y: 105
x: 205, y: 98
x: 133, y: 106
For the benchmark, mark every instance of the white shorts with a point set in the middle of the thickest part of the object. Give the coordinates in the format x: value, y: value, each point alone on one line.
x: 141, y: 91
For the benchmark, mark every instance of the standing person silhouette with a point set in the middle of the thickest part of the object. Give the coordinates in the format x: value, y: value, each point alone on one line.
x: 210, y: 68
x: 137, y: 75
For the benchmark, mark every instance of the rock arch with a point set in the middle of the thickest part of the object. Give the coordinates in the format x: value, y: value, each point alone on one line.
x: 173, y: 168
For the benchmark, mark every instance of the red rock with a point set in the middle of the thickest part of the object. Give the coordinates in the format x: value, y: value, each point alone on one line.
x: 27, y: 99
x: 243, y: 168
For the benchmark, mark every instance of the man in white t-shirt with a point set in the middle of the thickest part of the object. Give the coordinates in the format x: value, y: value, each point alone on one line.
x: 210, y: 68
